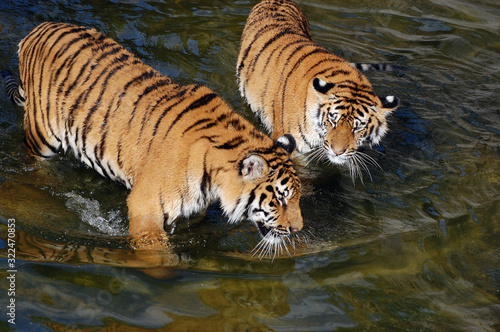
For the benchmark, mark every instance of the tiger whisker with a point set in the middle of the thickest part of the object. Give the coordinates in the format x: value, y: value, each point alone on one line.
x: 359, y: 164
x: 276, y: 247
x: 370, y: 160
x: 359, y: 161
x: 362, y: 166
x: 284, y: 245
x: 273, y: 245
x: 265, y: 246
x: 261, y: 245
x: 291, y: 242
x: 354, y: 169
x: 316, y: 155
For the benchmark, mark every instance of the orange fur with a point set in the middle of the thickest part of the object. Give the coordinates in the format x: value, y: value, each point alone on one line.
x: 178, y: 148
x: 296, y: 86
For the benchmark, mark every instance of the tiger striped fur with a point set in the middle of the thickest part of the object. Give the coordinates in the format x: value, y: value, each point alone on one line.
x: 178, y: 148
x: 14, y: 90
x: 296, y: 86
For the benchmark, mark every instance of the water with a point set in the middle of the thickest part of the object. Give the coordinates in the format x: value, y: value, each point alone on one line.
x: 416, y: 248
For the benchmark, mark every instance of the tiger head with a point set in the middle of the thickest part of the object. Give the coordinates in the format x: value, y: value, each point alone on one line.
x: 346, y: 115
x: 270, y: 194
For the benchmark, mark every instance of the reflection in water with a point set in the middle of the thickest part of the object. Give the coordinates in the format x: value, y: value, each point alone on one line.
x: 232, y: 305
x: 239, y: 304
x: 74, y: 251
x: 418, y: 248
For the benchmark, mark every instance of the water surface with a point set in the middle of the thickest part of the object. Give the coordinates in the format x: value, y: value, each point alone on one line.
x: 417, y: 247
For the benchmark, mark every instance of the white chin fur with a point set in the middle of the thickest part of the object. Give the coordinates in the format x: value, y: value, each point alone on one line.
x: 337, y: 160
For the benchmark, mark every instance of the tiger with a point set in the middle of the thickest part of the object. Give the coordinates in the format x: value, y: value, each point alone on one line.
x: 295, y: 86
x: 178, y: 148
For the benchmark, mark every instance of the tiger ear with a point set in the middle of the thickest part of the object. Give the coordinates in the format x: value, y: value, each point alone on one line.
x: 389, y: 104
x: 253, y: 167
x: 287, y: 142
x: 321, y: 86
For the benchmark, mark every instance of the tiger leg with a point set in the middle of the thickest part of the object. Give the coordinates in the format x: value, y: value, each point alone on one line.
x: 146, y: 219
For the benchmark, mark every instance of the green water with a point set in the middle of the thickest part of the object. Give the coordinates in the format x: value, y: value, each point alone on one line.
x: 415, y: 248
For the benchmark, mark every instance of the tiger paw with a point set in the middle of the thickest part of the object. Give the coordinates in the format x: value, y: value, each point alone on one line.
x: 154, y: 249
x: 150, y: 241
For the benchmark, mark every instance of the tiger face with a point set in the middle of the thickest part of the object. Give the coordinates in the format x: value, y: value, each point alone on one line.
x: 346, y: 116
x: 272, y: 190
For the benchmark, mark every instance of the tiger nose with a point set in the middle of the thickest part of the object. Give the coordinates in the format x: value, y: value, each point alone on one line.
x: 294, y: 229
x: 338, y: 153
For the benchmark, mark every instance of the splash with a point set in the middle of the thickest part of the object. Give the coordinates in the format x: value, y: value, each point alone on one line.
x: 89, y: 211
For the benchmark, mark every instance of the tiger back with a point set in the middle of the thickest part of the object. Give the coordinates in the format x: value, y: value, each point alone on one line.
x: 297, y: 86
x: 177, y: 147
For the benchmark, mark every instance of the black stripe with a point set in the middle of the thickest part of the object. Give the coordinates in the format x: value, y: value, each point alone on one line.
x: 232, y: 144
x: 206, y: 179
x: 162, y: 204
x: 221, y: 117
x: 147, y: 75
x: 138, y: 79
x: 179, y: 96
x: 202, y: 101
x: 150, y: 88
x: 211, y: 139
x: 76, y: 151
x: 304, y: 138
x: 73, y: 85
x: 102, y: 145
x: 207, y: 126
x: 112, y: 51
x: 119, y: 153
x: 42, y: 140
x: 33, y: 147
x: 297, y: 49
x: 30, y: 144
x: 262, y: 198
x: 251, y: 198
x: 338, y: 72
x: 236, y: 124
x: 280, y: 173
x: 257, y: 134
x: 197, y: 123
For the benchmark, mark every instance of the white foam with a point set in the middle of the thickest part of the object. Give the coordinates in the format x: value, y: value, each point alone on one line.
x: 89, y: 211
